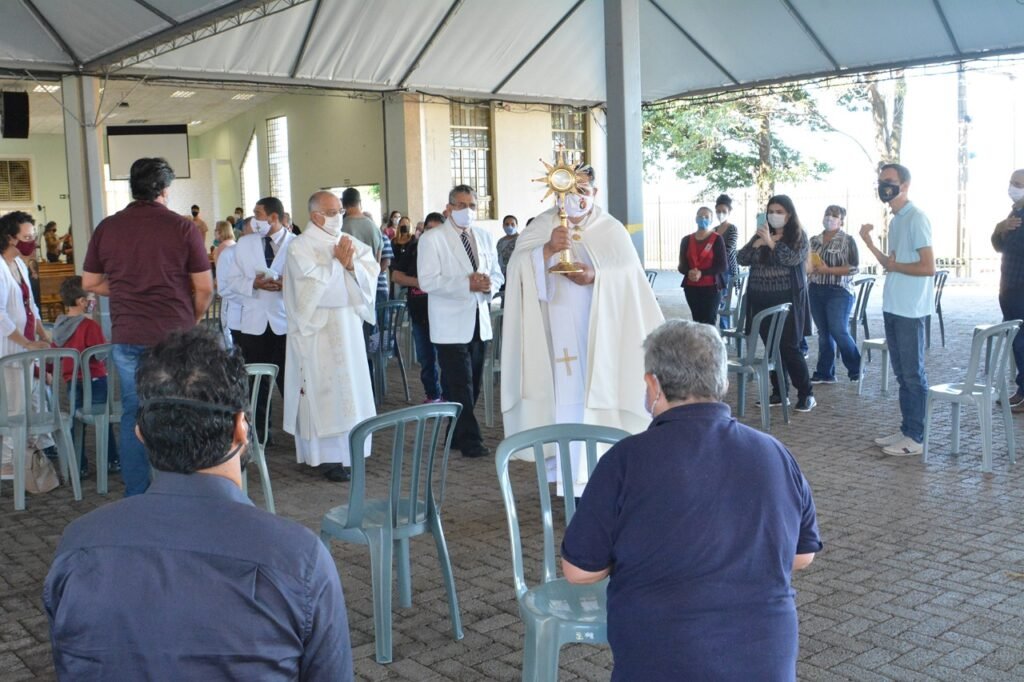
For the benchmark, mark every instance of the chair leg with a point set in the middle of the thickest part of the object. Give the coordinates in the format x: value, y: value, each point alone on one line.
x: 1011, y: 439
x: 741, y: 395
x: 404, y: 573
x: 764, y: 390
x: 69, y: 458
x: 942, y: 326
x: 260, y: 458
x: 19, y: 443
x: 444, y: 559
x: 401, y: 369
x: 985, y: 417
x: 488, y: 380
x: 955, y: 423
x: 885, y: 371
x: 380, y: 571
x: 540, y: 652
x: 860, y: 379
x: 102, y: 427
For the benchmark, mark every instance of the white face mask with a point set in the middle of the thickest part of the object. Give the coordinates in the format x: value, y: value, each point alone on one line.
x: 332, y: 225
x: 830, y: 223
x: 464, y: 217
x: 260, y: 227
x: 650, y: 407
x: 1016, y: 193
x: 776, y: 220
x: 721, y: 217
x: 574, y: 207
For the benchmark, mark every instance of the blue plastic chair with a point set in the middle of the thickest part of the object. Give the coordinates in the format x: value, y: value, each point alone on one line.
x: 42, y: 416
x: 258, y: 372
x: 760, y: 366
x: 737, y: 315
x: 555, y: 612
x: 101, y: 416
x: 413, y: 507
x: 982, y: 393
x: 492, y: 365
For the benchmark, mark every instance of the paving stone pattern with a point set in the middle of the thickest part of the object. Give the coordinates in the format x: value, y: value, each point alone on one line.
x: 920, y: 578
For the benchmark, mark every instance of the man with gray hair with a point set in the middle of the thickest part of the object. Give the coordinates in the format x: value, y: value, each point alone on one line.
x: 700, y: 522
x: 330, y: 289
x: 458, y: 267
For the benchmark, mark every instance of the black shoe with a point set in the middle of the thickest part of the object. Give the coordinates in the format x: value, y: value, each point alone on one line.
x: 774, y: 401
x: 83, y: 470
x: 822, y: 380
x: 337, y: 473
x: 477, y: 451
x: 855, y: 378
x: 114, y: 467
x: 806, y: 404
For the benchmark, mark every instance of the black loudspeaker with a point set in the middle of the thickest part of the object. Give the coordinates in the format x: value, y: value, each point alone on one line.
x: 14, y: 115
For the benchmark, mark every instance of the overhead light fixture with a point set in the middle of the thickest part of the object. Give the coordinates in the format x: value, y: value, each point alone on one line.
x: 46, y: 88
x: 244, y: 95
x: 194, y: 123
x: 138, y: 120
x: 183, y: 94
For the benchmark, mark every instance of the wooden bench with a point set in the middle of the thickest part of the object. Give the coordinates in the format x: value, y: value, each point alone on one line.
x: 51, y: 275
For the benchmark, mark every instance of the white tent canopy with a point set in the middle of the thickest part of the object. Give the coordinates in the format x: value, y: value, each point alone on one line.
x: 549, y: 50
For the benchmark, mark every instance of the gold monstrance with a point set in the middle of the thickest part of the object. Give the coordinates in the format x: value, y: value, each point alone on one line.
x: 561, y: 180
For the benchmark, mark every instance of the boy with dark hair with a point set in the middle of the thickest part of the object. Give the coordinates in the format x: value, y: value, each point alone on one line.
x: 76, y: 329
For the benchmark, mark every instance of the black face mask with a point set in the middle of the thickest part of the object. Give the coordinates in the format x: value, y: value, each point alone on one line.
x: 887, y: 191
x: 195, y: 214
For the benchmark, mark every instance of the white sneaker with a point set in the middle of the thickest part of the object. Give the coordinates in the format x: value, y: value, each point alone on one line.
x: 907, y: 447
x: 886, y: 441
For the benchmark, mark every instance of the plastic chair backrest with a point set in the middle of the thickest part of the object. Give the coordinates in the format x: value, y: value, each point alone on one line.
x: 1001, y: 337
x: 257, y: 371
x: 103, y: 353
x: 44, y: 416
x: 651, y: 276
x: 389, y: 320
x: 411, y: 497
x: 864, y: 285
x: 940, y: 283
x: 775, y: 318
x: 537, y: 439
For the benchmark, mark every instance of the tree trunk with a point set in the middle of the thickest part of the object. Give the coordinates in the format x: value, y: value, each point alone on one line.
x: 765, y: 182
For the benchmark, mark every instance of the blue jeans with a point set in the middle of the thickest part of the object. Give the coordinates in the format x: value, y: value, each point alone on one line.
x: 99, y: 397
x: 134, y: 462
x: 1012, y: 304
x: 830, y: 309
x: 905, y: 338
x: 427, y: 354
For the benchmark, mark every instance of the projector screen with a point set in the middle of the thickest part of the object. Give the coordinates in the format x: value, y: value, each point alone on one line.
x: 126, y: 144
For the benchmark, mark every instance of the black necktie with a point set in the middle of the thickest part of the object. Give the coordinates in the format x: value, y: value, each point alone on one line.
x: 469, y: 248
x: 268, y: 251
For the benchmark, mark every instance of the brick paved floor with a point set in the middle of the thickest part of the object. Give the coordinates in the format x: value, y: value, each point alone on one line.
x: 920, y: 578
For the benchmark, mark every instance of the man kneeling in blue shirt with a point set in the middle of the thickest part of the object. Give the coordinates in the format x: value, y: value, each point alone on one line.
x: 190, y: 581
x: 700, y: 522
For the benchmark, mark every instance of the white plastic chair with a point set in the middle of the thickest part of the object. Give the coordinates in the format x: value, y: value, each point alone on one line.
x: 258, y: 372
x: 41, y: 415
x: 866, y: 346
x: 981, y: 393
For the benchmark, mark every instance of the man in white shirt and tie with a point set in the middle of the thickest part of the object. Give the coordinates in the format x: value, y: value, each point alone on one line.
x: 249, y: 279
x: 458, y: 267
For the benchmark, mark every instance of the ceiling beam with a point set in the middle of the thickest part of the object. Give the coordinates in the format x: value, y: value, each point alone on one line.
x: 305, y: 40
x: 430, y: 42
x: 945, y: 25
x: 216, y: 21
x: 52, y: 32
x: 811, y: 34
x: 158, y: 12
x: 529, y: 55
x: 695, y: 43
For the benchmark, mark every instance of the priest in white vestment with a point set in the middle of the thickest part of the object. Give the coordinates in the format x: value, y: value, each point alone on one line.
x: 330, y: 283
x: 572, y: 345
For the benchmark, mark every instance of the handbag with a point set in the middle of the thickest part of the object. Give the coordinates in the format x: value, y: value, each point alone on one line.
x: 41, y: 476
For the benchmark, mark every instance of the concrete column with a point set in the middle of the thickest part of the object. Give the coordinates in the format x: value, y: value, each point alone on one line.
x: 83, y: 142
x: 625, y: 124
x: 395, y: 194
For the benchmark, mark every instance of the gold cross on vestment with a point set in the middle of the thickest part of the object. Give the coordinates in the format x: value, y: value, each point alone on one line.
x: 566, y: 358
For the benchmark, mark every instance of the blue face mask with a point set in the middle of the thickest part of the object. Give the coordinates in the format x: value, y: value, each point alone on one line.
x: 509, y: 229
x: 703, y: 223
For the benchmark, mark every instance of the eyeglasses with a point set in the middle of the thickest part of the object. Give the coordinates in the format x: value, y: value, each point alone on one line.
x: 330, y: 213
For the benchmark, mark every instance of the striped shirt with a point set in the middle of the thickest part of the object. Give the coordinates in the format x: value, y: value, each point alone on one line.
x: 841, y: 250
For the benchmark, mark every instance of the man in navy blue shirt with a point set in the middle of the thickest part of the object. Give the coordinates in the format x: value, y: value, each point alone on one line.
x: 700, y: 522
x: 190, y: 581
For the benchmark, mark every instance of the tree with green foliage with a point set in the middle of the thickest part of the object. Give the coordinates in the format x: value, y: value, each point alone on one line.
x: 734, y: 141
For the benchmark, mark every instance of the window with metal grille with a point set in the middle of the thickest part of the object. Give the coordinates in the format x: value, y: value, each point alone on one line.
x: 471, y: 152
x: 569, y: 128
x: 250, y: 176
x: 277, y: 159
x: 15, y: 181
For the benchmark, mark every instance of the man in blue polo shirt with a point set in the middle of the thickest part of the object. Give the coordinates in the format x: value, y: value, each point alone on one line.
x: 700, y: 521
x: 190, y: 581
x: 907, y: 300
